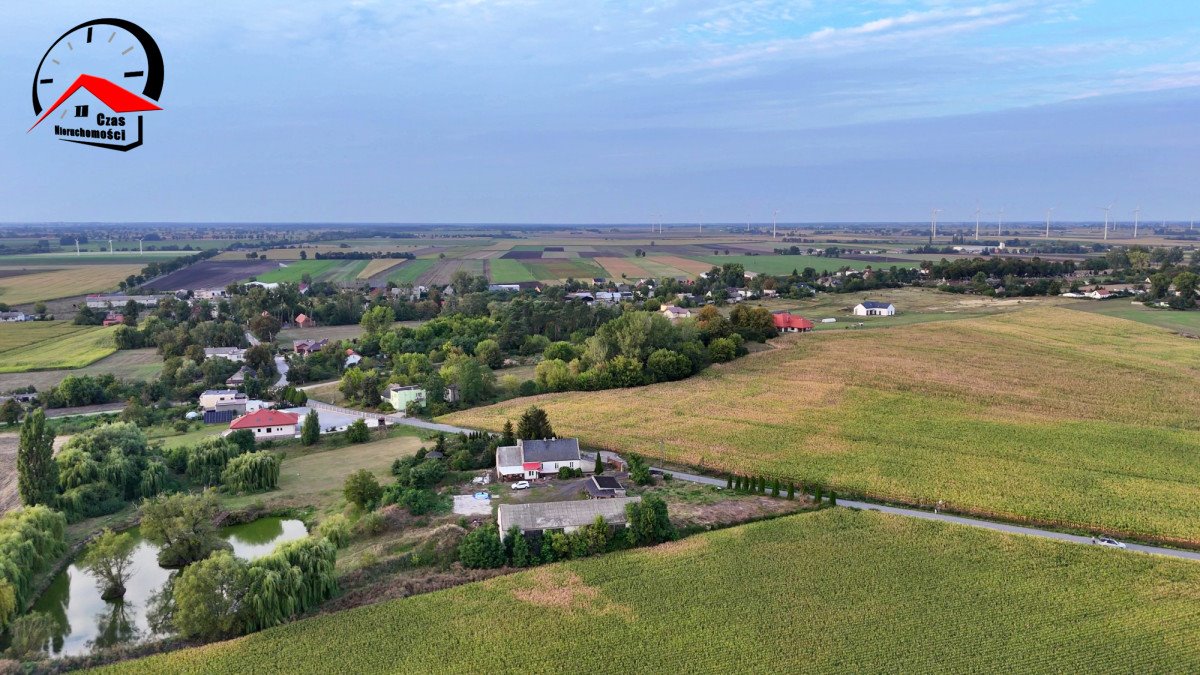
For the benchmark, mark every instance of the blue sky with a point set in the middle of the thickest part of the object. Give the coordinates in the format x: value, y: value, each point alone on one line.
x: 586, y: 111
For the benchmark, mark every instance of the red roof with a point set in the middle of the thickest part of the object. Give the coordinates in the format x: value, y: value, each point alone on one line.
x: 264, y: 418
x: 534, y: 466
x: 785, y: 320
x: 117, y: 99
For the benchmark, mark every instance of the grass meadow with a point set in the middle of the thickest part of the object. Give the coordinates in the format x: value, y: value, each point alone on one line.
x: 1047, y: 414
x: 831, y: 591
x: 43, y: 345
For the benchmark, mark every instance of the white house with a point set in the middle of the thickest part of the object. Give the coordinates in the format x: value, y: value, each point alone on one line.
x: 235, y: 354
x: 221, y: 398
x: 873, y: 308
x: 674, y: 313
x: 210, y: 293
x: 564, y: 516
x: 532, y: 459
x: 13, y: 316
x: 107, y: 301
x: 267, y: 424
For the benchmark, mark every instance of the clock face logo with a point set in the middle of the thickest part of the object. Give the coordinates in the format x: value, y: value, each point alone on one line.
x: 95, y: 82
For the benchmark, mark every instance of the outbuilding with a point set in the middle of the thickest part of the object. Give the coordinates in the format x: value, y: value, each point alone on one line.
x: 562, y: 516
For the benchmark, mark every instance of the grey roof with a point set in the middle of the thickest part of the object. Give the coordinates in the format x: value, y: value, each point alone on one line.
x: 607, y: 483
x: 508, y: 455
x: 220, y: 392
x: 874, y: 304
x: 558, y: 515
x: 553, y: 450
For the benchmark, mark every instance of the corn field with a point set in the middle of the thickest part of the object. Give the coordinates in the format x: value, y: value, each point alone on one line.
x: 831, y: 591
x: 1048, y: 414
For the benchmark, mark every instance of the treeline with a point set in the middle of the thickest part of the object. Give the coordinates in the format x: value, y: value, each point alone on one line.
x: 361, y: 255
x: 998, y: 267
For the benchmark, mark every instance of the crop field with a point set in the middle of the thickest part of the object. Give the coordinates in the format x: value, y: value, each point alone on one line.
x: 41, y: 345
x: 1180, y: 322
x: 410, y: 271
x: 618, y: 268
x: 295, y: 271
x: 1049, y: 414
x: 505, y: 271
x: 550, y: 269
x: 94, y: 258
x: 832, y: 591
x: 127, y: 364
x: 379, y: 266
x: 784, y: 264
x: 37, y: 285
x: 213, y: 274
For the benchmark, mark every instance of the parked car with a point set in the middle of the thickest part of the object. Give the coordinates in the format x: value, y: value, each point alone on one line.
x: 1109, y: 541
x: 521, y: 485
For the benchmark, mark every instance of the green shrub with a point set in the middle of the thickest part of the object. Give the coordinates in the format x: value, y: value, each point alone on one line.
x: 358, y: 432
x: 482, y: 549
x: 336, y: 529
x: 370, y: 524
x: 251, y: 472
x: 362, y: 489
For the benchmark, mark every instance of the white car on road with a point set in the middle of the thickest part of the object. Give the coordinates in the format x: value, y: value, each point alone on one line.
x: 521, y: 485
x: 1109, y: 541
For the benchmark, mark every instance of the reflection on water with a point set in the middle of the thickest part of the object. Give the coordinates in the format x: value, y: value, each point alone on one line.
x: 85, y: 620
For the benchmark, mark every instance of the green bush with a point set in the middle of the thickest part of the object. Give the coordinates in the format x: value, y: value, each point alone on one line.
x: 362, y: 489
x: 251, y: 472
x: 370, y: 524
x: 482, y: 549
x: 358, y: 432
x: 336, y: 529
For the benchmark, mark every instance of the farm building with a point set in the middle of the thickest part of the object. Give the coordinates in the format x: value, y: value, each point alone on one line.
x: 304, y: 321
x: 564, y: 516
x: 113, y: 319
x: 267, y: 424
x: 673, y: 313
x: 214, y: 399
x: 604, y: 487
x: 106, y: 301
x: 13, y: 316
x: 236, y: 354
x: 531, y: 459
x: 786, y: 322
x: 874, y: 308
x: 210, y: 293
x: 306, y: 347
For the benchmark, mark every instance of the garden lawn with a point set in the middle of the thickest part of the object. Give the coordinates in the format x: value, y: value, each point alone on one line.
x: 832, y: 591
x: 43, y: 345
x: 1060, y: 416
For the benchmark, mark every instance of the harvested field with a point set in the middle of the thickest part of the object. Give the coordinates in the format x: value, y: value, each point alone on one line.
x: 410, y: 271
x: 1027, y: 414
x: 522, y: 255
x: 443, y: 270
x: 548, y: 269
x: 39, y: 284
x: 128, y: 364
x: 621, y: 267
x: 847, y: 591
x: 379, y: 266
x: 214, y: 273
x: 687, y: 265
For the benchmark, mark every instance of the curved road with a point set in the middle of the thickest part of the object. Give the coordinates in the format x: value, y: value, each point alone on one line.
x: 849, y: 503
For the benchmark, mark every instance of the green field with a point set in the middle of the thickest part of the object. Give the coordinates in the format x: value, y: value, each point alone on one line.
x: 1180, y: 322
x: 833, y: 591
x: 410, y: 271
x: 95, y: 258
x: 507, y: 271
x: 296, y: 270
x: 780, y: 265
x: 43, y: 345
x: 348, y: 271
x: 1060, y: 416
x: 550, y: 269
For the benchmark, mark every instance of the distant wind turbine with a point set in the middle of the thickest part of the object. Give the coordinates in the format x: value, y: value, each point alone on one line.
x: 139, y: 246
x: 77, y: 246
x: 978, y: 212
x: 1107, y: 210
x: 933, y: 221
x: 1048, y: 212
x: 774, y: 223
x: 110, y: 246
x: 1136, y: 213
x: 999, y: 221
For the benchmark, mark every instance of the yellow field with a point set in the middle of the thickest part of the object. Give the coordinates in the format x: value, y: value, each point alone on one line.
x: 686, y: 264
x: 42, y: 345
x: 1048, y: 414
x: 376, y: 266
x: 63, y: 283
x: 622, y: 267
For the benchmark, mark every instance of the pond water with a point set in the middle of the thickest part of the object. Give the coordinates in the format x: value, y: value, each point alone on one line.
x: 85, y: 620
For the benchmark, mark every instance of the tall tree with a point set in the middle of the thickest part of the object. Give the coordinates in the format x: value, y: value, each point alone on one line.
x: 37, y: 472
x: 110, y: 560
x: 508, y: 436
x: 311, y: 431
x: 534, y: 425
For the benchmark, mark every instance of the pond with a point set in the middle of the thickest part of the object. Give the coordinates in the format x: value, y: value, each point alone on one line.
x: 85, y: 620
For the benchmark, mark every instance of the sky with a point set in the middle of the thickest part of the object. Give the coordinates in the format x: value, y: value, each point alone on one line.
x: 582, y: 111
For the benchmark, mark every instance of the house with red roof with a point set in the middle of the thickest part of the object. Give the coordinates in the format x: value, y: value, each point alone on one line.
x: 786, y: 322
x: 304, y: 321
x: 267, y: 424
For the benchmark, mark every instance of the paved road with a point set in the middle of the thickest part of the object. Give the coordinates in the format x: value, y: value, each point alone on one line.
x: 392, y: 418
x: 282, y: 366
x: 251, y: 339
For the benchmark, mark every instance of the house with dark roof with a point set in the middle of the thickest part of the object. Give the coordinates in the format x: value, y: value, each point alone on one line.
x: 306, y: 347
x: 604, y: 487
x: 533, y: 459
x: 874, y: 308
x: 562, y: 516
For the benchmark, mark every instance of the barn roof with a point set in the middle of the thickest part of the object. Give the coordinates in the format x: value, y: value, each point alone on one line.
x: 558, y: 515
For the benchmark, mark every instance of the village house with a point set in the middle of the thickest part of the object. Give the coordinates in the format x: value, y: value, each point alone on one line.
x: 267, y: 424
x: 532, y: 459
x: 304, y: 321
x: 673, y: 313
x: 562, y: 516
x: 874, y: 308
x: 113, y: 319
x: 399, y: 396
x: 109, y: 300
x: 239, y: 378
x: 14, y: 316
x: 353, y: 358
x: 786, y: 322
x: 213, y: 399
x: 604, y: 487
x: 210, y: 294
x: 235, y: 354
x: 306, y: 347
